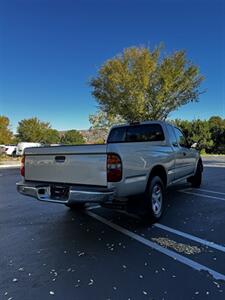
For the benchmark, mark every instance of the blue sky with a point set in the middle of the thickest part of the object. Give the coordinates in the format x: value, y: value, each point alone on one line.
x: 49, y: 50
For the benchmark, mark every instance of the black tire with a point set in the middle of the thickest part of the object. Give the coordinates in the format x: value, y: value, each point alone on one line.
x: 76, y: 206
x: 14, y: 154
x: 154, y: 199
x: 196, y: 180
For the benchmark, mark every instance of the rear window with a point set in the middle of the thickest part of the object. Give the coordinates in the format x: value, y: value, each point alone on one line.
x: 136, y: 133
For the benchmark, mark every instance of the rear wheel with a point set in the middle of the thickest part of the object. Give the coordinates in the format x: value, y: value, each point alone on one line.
x: 14, y: 153
x: 76, y: 206
x: 154, y: 199
x: 196, y: 180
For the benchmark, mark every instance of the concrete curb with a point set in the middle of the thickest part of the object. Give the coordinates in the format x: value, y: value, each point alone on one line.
x: 9, y: 166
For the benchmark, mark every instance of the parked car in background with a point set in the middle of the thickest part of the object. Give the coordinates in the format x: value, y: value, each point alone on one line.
x: 23, y: 145
x: 11, y: 150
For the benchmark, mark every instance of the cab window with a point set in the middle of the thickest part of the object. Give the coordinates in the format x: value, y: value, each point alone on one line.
x: 181, y: 140
x: 136, y: 133
x: 172, y: 136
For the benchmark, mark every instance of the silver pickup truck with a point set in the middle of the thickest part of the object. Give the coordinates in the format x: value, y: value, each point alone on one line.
x: 139, y: 159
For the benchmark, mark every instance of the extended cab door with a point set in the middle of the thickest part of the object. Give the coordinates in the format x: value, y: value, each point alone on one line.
x: 185, y: 158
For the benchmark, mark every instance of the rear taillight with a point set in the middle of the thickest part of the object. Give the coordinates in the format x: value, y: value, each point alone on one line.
x: 22, y: 166
x: 114, y: 168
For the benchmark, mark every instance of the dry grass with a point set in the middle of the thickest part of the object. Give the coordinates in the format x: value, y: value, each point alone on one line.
x: 6, y: 158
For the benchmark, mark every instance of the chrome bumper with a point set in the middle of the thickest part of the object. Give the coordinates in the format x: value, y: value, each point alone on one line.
x: 76, y: 194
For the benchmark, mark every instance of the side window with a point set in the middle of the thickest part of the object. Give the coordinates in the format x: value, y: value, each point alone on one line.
x: 172, y: 135
x: 181, y: 138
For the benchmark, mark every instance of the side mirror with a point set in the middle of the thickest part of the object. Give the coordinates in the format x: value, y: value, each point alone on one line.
x: 194, y: 145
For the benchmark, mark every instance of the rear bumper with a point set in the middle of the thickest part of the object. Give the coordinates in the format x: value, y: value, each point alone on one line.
x: 78, y: 194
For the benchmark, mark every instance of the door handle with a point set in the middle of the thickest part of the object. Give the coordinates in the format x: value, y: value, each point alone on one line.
x: 184, y: 153
x: 60, y: 159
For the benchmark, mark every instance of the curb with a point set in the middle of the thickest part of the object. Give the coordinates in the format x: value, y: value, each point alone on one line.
x: 9, y: 166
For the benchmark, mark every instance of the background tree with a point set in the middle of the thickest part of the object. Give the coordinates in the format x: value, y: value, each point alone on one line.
x: 197, y: 131
x: 141, y: 84
x: 186, y: 127
x: 6, y: 135
x: 52, y: 136
x: 217, y: 129
x: 202, y: 135
x: 72, y: 137
x: 34, y: 130
x: 104, y: 121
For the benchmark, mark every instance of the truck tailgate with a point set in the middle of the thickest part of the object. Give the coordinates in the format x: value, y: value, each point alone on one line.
x: 84, y: 164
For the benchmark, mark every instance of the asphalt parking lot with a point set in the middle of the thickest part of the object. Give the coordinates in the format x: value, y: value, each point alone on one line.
x: 48, y: 251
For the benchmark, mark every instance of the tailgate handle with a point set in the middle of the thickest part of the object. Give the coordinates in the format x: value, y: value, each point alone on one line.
x: 60, y: 159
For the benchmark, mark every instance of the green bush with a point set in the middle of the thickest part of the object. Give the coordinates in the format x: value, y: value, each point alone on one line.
x: 72, y: 137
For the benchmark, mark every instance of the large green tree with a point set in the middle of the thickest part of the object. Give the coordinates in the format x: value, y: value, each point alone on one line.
x: 34, y: 130
x: 52, y: 136
x: 104, y: 121
x: 217, y: 129
x: 197, y: 131
x: 141, y: 84
x: 6, y: 135
x: 72, y: 137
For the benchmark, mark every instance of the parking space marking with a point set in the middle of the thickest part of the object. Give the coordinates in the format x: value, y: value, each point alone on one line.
x: 172, y: 230
x: 178, y: 257
x: 209, y: 191
x: 180, y: 233
x: 190, y: 237
x: 201, y: 195
x: 92, y: 207
x: 214, y: 165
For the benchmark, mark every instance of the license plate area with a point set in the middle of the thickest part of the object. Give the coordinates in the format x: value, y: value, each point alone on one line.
x: 59, y: 192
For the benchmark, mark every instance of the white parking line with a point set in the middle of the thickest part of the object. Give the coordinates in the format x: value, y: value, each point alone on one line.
x: 201, y: 195
x: 209, y: 191
x: 182, y: 259
x: 172, y: 230
x: 191, y: 237
x: 214, y: 165
x: 93, y: 207
x: 180, y: 233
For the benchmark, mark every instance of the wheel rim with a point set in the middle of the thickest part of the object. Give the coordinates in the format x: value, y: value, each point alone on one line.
x: 157, y: 199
